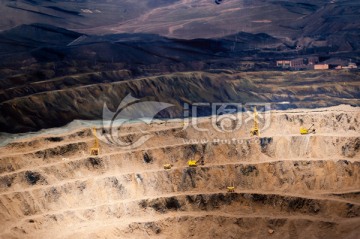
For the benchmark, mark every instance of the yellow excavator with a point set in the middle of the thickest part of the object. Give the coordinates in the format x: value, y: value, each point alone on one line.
x: 94, y: 150
x: 304, y: 130
x: 255, y: 130
x: 194, y: 163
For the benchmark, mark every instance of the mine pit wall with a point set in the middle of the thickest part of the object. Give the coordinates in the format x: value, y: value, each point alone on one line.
x: 237, y: 204
x: 52, y: 182
x: 334, y: 122
x: 74, y: 156
x: 213, y: 226
x: 297, y: 177
x: 264, y: 166
x: 21, y: 176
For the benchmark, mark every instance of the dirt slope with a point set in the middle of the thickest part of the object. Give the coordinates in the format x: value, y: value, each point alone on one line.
x: 299, y: 186
x: 55, y: 103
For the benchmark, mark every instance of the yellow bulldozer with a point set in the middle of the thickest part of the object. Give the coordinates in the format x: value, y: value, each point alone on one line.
x: 255, y: 130
x: 310, y: 130
x: 95, y: 150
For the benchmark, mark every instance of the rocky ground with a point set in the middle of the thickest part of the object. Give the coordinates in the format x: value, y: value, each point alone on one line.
x: 54, y: 103
x: 287, y: 185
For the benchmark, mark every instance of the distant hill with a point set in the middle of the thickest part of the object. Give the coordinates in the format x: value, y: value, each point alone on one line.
x: 331, y: 24
x: 45, y: 43
x: 188, y: 19
x: 50, y: 76
x: 33, y: 36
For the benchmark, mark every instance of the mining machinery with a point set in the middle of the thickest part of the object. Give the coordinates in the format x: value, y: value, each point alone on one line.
x: 95, y: 150
x: 255, y: 130
x: 310, y: 130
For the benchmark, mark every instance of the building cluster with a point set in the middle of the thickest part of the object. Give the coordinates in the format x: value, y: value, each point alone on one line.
x: 312, y: 62
x: 299, y: 63
x: 351, y: 65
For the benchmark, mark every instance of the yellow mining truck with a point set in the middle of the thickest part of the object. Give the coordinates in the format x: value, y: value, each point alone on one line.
x: 167, y: 166
x: 231, y: 189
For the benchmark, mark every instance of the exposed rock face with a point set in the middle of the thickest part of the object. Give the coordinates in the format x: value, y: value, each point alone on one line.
x: 38, y: 106
x: 51, y: 80
x: 286, y: 184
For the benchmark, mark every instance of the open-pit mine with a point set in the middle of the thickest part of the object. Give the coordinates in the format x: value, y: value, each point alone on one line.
x: 278, y: 184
